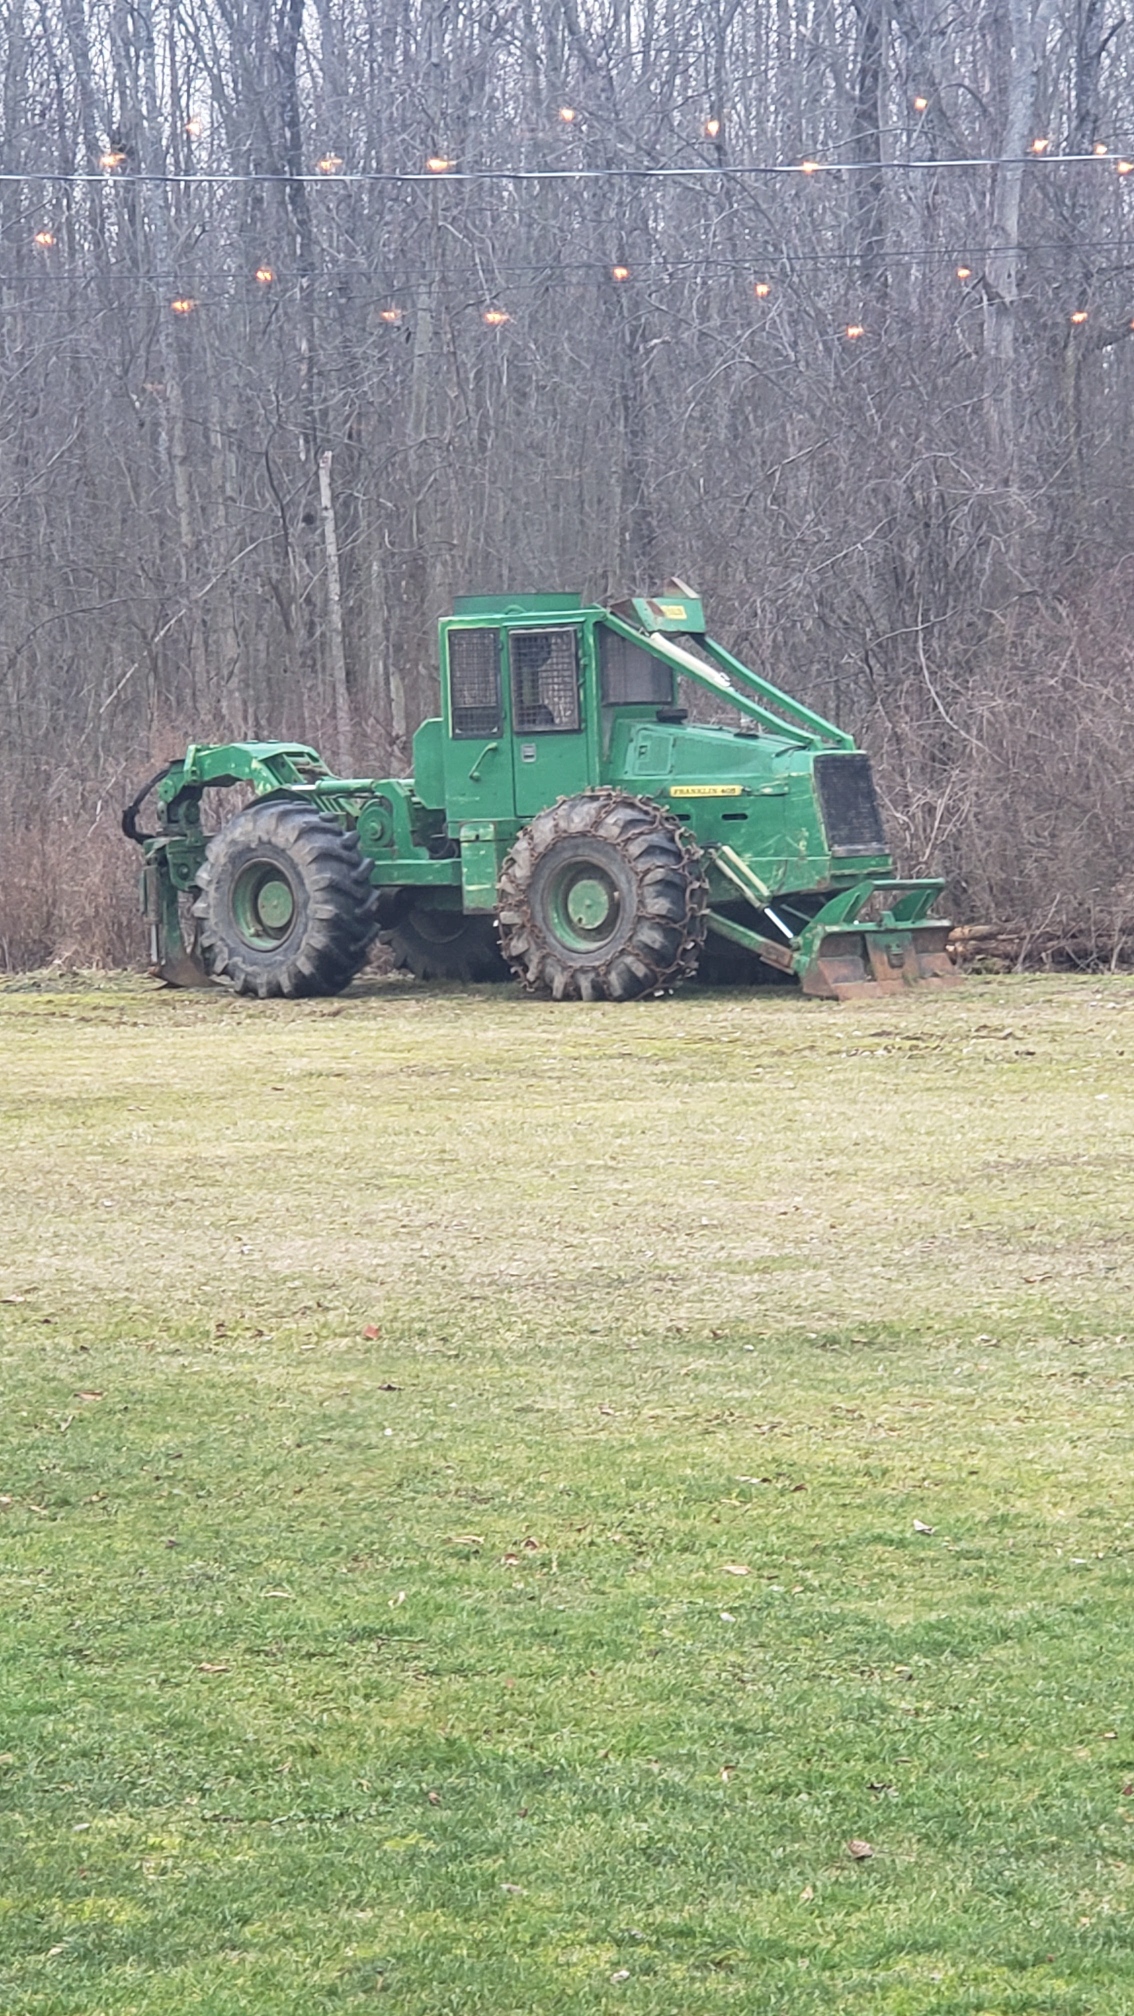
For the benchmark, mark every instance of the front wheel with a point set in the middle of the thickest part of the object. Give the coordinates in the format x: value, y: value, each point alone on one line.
x: 284, y: 904
x: 602, y: 898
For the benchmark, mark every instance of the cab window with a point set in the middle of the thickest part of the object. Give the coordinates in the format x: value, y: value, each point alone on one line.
x: 629, y: 673
x: 545, y: 681
x: 474, y: 682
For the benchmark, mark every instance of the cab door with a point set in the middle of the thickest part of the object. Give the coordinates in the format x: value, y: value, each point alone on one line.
x: 550, y: 739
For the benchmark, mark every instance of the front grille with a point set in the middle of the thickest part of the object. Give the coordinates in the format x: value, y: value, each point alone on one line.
x: 849, y: 805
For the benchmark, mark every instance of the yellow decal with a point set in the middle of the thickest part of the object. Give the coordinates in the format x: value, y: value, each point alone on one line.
x: 674, y: 610
x: 705, y: 790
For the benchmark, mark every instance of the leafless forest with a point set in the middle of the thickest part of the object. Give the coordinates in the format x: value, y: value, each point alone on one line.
x: 274, y: 390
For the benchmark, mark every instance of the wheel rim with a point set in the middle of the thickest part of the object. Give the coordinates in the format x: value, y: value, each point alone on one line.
x: 263, y: 904
x: 584, y: 906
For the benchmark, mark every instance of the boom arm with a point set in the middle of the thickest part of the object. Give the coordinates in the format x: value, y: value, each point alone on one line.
x: 795, y: 722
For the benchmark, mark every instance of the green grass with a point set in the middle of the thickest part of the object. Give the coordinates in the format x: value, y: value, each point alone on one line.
x: 390, y: 1388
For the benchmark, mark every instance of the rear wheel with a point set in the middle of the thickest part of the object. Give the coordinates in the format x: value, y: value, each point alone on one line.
x: 284, y: 904
x: 436, y: 944
x: 602, y: 898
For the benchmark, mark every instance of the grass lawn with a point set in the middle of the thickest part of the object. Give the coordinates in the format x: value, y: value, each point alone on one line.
x: 496, y: 1497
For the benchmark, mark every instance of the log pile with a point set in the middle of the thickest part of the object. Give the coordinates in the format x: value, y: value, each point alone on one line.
x: 1058, y: 948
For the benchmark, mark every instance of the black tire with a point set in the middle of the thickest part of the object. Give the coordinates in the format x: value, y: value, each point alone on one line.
x: 285, y: 903
x: 436, y: 944
x: 602, y: 898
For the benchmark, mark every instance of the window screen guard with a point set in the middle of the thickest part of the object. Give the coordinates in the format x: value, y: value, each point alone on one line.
x: 545, y: 681
x: 474, y: 682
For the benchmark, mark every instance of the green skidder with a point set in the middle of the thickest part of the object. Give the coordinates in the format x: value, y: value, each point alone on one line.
x: 566, y: 821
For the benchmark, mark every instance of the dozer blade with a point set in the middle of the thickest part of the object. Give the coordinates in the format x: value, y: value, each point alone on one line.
x: 181, y: 969
x: 862, y: 964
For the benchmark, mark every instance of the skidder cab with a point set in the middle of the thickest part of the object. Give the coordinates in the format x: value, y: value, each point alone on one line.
x: 566, y: 821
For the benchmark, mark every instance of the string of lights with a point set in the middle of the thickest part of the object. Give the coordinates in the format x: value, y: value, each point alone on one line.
x: 774, y: 269
x: 470, y: 294
x: 331, y: 170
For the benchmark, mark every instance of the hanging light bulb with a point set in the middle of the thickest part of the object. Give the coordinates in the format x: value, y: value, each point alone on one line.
x: 620, y: 272
x: 265, y: 275
x: 761, y: 289
x: 389, y: 314
x: 920, y: 104
x: 496, y: 317
x: 568, y: 114
x: 438, y: 164
x: 855, y: 329
x: 809, y: 167
x: 329, y: 164
x: 712, y: 128
x: 1079, y: 317
x: 44, y: 239
x: 964, y: 272
x: 194, y: 127
x: 1040, y: 146
x: 112, y: 159
x: 1101, y: 148
x: 184, y: 305
x: 1125, y: 167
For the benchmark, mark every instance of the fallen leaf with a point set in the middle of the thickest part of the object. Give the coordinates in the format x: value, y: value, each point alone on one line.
x: 509, y: 1560
x: 919, y: 1526
x: 434, y: 1798
x: 512, y: 1889
x: 88, y: 1396
x: 727, y: 1617
x: 530, y: 1546
x: 372, y: 1331
x: 805, y: 1896
x: 604, y: 1409
x: 207, y: 1667
x: 278, y: 1592
x: 861, y: 1851
x: 619, y: 1974
x: 53, y: 1952
x: 734, y: 1568
x: 466, y: 1539
x: 5, y: 1501
x: 395, y: 1600
x: 1128, y: 1790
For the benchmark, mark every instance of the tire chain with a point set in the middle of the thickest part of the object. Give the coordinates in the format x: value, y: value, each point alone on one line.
x: 514, y: 905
